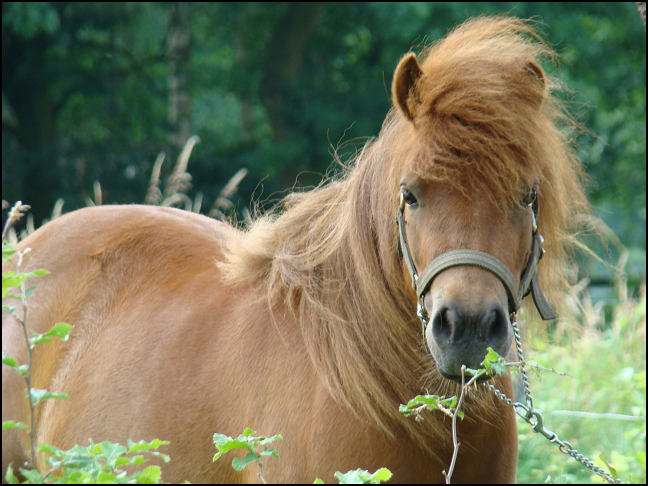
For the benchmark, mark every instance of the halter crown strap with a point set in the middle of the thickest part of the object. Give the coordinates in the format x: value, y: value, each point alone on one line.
x: 528, y: 282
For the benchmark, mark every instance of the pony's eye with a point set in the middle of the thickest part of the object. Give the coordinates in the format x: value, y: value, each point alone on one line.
x: 408, y: 197
x: 530, y: 197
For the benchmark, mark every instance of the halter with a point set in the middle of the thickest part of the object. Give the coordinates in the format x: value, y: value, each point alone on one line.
x: 528, y: 282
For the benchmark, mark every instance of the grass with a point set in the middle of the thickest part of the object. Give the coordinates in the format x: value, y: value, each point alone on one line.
x: 606, y: 365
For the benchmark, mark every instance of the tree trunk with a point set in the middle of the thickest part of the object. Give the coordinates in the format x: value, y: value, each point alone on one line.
x: 284, y: 56
x: 179, y: 44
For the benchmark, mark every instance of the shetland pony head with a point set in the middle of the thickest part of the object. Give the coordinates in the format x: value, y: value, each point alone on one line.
x: 482, y: 144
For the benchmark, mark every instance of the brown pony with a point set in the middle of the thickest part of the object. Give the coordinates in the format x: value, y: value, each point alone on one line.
x: 306, y: 324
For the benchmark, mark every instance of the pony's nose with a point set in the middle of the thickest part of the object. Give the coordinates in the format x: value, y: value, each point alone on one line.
x: 460, y: 335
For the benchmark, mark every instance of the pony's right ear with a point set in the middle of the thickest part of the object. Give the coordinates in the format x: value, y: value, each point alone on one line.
x: 405, y: 77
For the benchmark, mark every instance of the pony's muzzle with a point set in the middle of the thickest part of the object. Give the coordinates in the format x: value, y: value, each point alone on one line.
x: 461, y: 330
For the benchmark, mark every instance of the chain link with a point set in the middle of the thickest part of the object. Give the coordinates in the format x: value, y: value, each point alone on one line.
x: 534, y: 418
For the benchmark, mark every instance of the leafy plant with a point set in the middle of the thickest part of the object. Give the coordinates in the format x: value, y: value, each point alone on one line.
x: 493, y: 364
x: 360, y: 476
x: 96, y: 463
x: 246, y: 440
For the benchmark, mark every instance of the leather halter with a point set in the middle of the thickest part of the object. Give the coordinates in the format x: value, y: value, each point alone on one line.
x: 528, y: 282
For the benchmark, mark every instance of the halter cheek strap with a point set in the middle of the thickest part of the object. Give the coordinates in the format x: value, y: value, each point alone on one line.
x: 528, y: 282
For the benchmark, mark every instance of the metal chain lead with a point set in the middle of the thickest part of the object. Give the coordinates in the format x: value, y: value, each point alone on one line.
x: 534, y: 418
x: 525, y: 378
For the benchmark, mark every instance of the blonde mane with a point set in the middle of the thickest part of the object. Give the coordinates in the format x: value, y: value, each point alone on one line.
x: 329, y: 261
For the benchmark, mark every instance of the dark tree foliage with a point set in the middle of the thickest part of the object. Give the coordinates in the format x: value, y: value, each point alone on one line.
x: 94, y: 91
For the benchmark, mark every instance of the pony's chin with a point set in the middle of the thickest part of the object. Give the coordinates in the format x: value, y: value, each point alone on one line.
x: 457, y: 378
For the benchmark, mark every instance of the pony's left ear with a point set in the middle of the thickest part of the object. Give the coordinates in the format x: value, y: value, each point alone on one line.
x: 405, y: 77
x: 532, y: 69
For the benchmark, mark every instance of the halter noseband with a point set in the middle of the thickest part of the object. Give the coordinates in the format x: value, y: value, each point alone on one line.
x: 528, y: 282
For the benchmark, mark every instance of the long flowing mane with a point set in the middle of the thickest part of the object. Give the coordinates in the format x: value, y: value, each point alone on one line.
x: 329, y: 261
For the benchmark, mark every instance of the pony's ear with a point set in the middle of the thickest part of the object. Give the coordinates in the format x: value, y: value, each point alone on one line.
x: 532, y: 69
x: 406, y: 75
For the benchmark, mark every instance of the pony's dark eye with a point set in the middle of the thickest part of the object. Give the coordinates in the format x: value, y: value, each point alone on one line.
x: 530, y: 197
x: 408, y: 197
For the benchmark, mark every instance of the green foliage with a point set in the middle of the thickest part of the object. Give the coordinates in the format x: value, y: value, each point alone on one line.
x: 360, y: 476
x: 429, y: 402
x: 86, y: 84
x: 493, y: 364
x: 247, y: 441
x: 613, y: 399
x: 31, y: 20
x: 10, y: 424
x: 60, y: 330
x: 96, y: 463
x: 600, y: 406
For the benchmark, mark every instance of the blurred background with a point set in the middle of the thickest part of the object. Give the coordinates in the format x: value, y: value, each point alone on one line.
x: 96, y: 91
x: 93, y: 93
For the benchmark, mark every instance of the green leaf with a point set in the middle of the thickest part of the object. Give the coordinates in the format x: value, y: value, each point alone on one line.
x: 239, y: 464
x: 10, y: 424
x: 9, y: 308
x: 137, y: 460
x: 50, y: 449
x: 60, y: 330
x: 360, y: 476
x: 318, y: 481
x: 432, y: 402
x: 9, y: 477
x: 152, y: 473
x: 124, y: 461
x: 351, y: 477
x: 382, y: 474
x: 105, y: 477
x: 270, y: 452
x: 449, y: 402
x: 9, y: 361
x: 248, y: 432
x: 32, y: 476
x: 8, y: 283
x: 268, y: 440
x: 8, y: 249
x: 35, y: 273
x: 225, y: 444
x: 613, y: 471
x: 164, y: 457
x: 492, y: 355
x: 111, y: 451
x: 29, y: 291
x: 221, y: 439
x: 38, y: 395
x: 143, y: 446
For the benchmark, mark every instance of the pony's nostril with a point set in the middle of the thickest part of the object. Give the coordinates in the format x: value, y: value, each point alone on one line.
x: 442, y: 325
x: 496, y: 328
x: 489, y: 322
